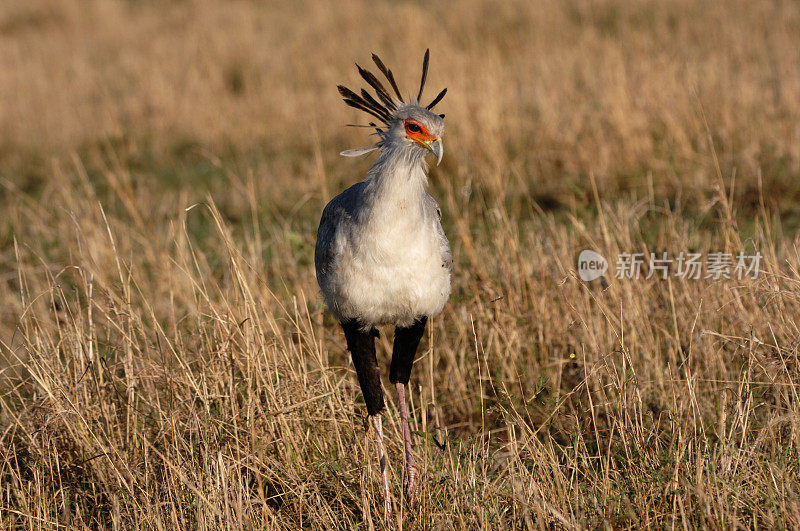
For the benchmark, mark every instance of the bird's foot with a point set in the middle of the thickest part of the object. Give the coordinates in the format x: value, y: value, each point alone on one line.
x: 387, y: 496
x: 387, y: 509
x: 410, y: 485
x: 377, y: 421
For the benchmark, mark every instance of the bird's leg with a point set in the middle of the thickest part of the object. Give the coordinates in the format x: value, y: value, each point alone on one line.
x: 406, y: 341
x: 410, y: 481
x: 361, y: 344
x: 377, y: 421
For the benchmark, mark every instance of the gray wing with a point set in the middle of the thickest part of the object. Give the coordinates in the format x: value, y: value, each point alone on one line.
x: 444, y: 244
x: 339, y: 212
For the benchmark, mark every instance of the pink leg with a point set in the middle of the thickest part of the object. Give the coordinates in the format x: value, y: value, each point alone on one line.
x: 410, y: 480
x: 377, y: 421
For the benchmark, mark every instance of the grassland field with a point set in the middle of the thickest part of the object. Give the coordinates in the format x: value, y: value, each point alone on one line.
x: 165, y: 357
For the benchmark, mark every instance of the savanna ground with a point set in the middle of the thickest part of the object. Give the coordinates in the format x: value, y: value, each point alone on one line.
x: 165, y: 359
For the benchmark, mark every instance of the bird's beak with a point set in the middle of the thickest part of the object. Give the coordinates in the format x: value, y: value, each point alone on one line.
x: 436, y: 147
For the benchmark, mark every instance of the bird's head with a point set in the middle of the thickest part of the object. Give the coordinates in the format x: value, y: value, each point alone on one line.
x: 402, y: 124
x: 417, y: 128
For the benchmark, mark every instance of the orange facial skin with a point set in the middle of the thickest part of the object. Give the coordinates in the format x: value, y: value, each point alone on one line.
x: 417, y: 132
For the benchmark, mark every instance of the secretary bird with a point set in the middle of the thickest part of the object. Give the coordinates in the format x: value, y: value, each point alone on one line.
x: 382, y: 257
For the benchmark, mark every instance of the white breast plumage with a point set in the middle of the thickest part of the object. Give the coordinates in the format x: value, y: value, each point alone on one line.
x: 387, y: 260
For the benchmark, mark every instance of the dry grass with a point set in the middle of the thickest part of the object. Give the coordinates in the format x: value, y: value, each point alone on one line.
x: 164, y: 356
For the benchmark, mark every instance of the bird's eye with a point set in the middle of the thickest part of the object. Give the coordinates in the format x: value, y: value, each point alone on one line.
x: 413, y: 128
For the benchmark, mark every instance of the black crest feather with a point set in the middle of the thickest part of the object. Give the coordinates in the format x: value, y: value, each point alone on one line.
x: 370, y: 78
x: 373, y: 102
x: 384, y: 105
x: 436, y: 100
x: 424, y: 72
x: 357, y: 102
x: 388, y: 74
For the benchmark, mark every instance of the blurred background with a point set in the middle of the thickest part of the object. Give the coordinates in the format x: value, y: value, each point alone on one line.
x: 540, y: 94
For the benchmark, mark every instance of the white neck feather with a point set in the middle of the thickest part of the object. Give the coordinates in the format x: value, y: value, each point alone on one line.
x: 396, y: 184
x: 399, y: 169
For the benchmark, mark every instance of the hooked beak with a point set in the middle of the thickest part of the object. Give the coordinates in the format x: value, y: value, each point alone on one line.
x: 435, y: 146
